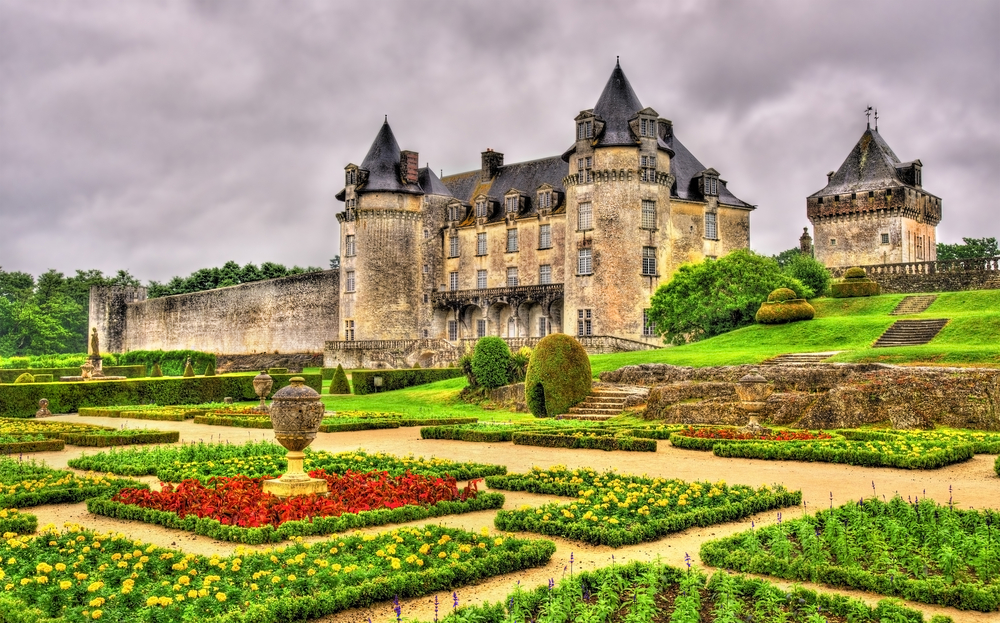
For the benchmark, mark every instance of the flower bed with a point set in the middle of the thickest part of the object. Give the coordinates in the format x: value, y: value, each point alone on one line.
x: 121, y: 437
x: 26, y: 483
x: 915, y: 550
x: 488, y: 432
x: 590, y: 441
x: 14, y: 444
x: 983, y: 442
x: 895, y: 452
x: 238, y: 421
x: 46, y: 428
x: 82, y: 575
x: 705, y: 437
x: 12, y: 520
x: 162, y: 414
x: 204, y: 460
x: 237, y: 509
x: 616, y: 509
x: 472, y: 432
x: 646, y: 592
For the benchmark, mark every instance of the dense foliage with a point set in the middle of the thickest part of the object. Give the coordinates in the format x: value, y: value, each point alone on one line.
x: 971, y: 248
x: 49, y: 315
x: 913, y: 549
x: 364, y: 380
x: 491, y: 362
x: 717, y: 296
x: 812, y: 273
x: 558, y: 376
x: 230, y: 274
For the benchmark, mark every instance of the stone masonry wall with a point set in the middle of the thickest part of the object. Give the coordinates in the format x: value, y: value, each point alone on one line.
x: 108, y: 307
x: 291, y: 315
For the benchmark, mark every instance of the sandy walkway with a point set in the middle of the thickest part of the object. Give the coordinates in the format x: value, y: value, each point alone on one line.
x: 971, y: 484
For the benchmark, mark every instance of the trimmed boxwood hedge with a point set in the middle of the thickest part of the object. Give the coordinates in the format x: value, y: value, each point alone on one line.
x: 784, y: 311
x: 364, y: 380
x: 19, y: 523
x: 132, y: 372
x: 44, y: 445
x: 122, y: 438
x: 604, y: 442
x: 21, y: 400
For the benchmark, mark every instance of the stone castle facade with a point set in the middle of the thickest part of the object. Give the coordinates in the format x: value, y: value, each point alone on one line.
x: 874, y: 210
x: 574, y: 243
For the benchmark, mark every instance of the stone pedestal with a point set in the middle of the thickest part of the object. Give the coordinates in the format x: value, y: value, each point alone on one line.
x: 295, y: 481
x: 97, y: 368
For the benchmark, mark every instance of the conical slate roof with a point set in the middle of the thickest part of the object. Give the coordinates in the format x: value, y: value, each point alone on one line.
x: 431, y: 184
x: 618, y: 103
x: 871, y: 165
x: 382, y: 165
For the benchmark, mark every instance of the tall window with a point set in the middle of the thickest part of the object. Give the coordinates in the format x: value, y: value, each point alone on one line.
x: 584, y: 170
x: 352, y: 177
x: 481, y: 243
x: 545, y: 236
x: 584, y: 264
x: 453, y: 246
x: 649, y: 261
x: 544, y: 326
x: 885, y: 238
x: 481, y: 279
x: 349, y: 330
x: 647, y: 168
x: 711, y: 226
x: 452, y: 330
x: 350, y: 248
x: 481, y: 328
x: 349, y: 281
x: 545, y: 274
x: 512, y: 277
x: 453, y: 280
x: 511, y: 240
x: 510, y: 204
x: 481, y: 208
x: 584, y: 129
x: 648, y: 326
x: 583, y: 322
x: 648, y: 214
x: 585, y: 216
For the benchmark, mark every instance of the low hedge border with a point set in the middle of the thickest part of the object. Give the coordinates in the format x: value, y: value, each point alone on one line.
x: 21, y: 400
x: 363, y: 381
x: 124, y: 438
x: 132, y: 372
x: 62, y: 495
x: 698, y: 443
x: 47, y: 445
x: 11, y: 520
x: 996, y: 466
x: 230, y: 420
x: 981, y: 446
x: 457, y: 433
x: 650, y: 530
x: 332, y: 426
x: 212, y: 528
x: 825, y: 453
x: 585, y: 442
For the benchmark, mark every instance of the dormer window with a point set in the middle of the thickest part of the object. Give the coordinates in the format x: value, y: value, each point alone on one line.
x: 352, y: 177
x: 647, y: 168
x: 647, y: 127
x: 545, y: 199
x: 711, y: 185
x: 453, y: 213
x: 481, y: 208
x: 584, y: 129
x: 510, y: 204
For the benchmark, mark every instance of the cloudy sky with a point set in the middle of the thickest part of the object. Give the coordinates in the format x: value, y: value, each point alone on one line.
x: 166, y: 136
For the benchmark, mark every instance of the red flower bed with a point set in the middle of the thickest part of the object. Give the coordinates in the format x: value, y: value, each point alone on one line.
x: 737, y: 434
x: 241, y: 501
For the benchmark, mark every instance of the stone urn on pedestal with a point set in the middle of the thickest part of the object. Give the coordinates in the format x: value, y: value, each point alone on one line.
x: 296, y: 413
x: 753, y: 391
x: 262, y: 384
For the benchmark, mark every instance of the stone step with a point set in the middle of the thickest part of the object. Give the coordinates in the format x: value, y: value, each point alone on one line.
x: 592, y: 418
x: 913, y: 304
x: 607, y: 404
x: 910, y: 333
x: 593, y: 411
x: 799, y: 359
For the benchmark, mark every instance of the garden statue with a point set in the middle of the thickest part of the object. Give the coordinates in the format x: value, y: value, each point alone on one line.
x: 753, y: 391
x: 296, y: 413
x: 95, y: 343
x: 43, y: 408
x: 94, y: 357
x: 262, y: 384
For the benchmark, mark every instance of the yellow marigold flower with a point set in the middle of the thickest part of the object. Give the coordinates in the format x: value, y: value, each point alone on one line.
x: 220, y: 596
x: 96, y: 602
x: 424, y: 548
x: 193, y: 594
x: 443, y: 555
x: 152, y: 601
x: 96, y: 614
x: 253, y: 587
x: 65, y: 584
x: 165, y: 601
x: 498, y: 542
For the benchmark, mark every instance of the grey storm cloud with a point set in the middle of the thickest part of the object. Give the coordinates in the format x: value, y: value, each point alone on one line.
x: 163, y: 137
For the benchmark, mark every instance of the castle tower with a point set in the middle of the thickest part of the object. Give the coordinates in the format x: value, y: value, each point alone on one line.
x: 381, y: 243
x: 874, y: 210
x: 618, y: 220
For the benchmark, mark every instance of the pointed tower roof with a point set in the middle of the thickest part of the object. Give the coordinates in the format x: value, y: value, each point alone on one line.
x: 871, y: 165
x: 431, y: 184
x: 616, y: 106
x: 382, y: 165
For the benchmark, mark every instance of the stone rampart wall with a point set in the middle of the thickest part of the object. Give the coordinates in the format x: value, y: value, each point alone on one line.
x: 293, y: 314
x: 939, y: 276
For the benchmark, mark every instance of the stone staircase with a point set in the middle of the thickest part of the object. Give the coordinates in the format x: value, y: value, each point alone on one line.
x: 799, y: 359
x: 913, y: 304
x: 601, y: 404
x: 910, y: 333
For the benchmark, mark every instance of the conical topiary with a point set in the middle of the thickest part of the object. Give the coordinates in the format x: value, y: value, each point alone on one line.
x: 339, y: 384
x: 210, y: 368
x: 156, y: 371
x: 188, y: 369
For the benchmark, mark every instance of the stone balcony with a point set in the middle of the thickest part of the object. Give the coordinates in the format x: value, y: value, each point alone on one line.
x: 514, y: 296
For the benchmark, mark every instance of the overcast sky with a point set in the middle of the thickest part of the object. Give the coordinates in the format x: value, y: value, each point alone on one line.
x: 162, y: 137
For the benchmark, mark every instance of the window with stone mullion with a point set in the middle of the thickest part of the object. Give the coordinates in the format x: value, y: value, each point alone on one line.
x: 585, y: 216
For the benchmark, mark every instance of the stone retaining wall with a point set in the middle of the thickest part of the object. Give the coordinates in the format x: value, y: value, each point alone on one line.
x: 256, y: 363
x: 936, y: 276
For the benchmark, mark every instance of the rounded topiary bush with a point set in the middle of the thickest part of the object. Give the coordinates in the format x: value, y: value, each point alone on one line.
x: 785, y: 311
x: 855, y: 273
x: 491, y: 362
x: 25, y: 378
x: 855, y: 283
x: 558, y: 376
x: 781, y: 295
x: 339, y: 384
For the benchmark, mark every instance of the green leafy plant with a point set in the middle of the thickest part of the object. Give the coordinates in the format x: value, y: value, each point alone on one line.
x: 339, y: 384
x: 491, y: 362
x: 812, y: 273
x: 558, y: 376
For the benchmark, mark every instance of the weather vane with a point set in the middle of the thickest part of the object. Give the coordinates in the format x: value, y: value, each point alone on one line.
x: 868, y: 113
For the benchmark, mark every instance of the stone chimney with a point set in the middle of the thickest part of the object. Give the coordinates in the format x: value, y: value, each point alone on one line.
x: 409, y: 162
x: 492, y: 161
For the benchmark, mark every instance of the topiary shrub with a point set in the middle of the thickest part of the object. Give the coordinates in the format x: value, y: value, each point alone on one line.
x: 210, y: 369
x: 188, y: 370
x: 156, y: 371
x: 855, y: 273
x: 43, y: 378
x: 491, y: 362
x: 855, y: 283
x: 558, y: 376
x: 25, y: 378
x: 781, y: 295
x: 339, y: 384
x: 785, y: 311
